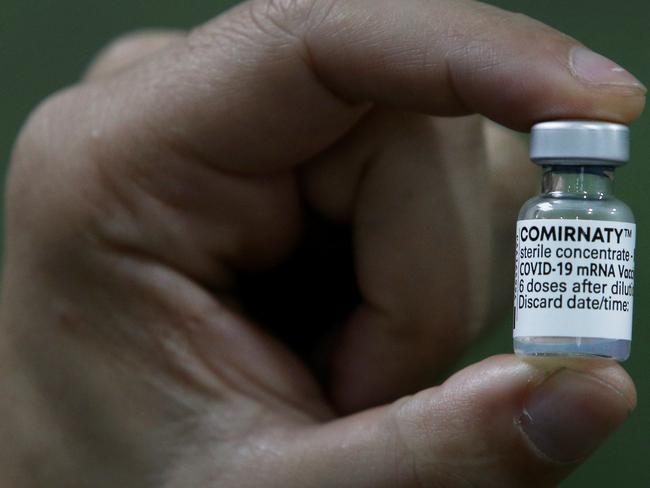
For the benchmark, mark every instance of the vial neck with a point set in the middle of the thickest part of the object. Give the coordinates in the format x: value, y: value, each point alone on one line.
x: 590, y: 182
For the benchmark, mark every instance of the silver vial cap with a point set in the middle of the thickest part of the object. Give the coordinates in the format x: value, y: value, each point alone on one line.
x: 579, y: 142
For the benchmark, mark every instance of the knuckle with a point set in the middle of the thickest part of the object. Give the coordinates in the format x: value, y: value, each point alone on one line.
x: 285, y: 13
x: 122, y: 43
x: 127, y: 40
x: 292, y: 17
x: 43, y: 174
x: 129, y: 47
x: 30, y: 154
x: 411, y: 431
x: 34, y: 144
x: 419, y: 433
x: 32, y: 137
x: 276, y: 28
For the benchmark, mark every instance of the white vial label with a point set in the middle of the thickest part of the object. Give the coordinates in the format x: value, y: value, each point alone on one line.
x: 574, y: 278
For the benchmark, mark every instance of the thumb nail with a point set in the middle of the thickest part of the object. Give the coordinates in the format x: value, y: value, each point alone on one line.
x: 570, y: 414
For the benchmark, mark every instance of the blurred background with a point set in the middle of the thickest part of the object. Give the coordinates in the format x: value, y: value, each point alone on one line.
x: 46, y: 45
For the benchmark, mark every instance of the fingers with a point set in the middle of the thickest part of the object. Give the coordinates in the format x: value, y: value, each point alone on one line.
x: 432, y: 201
x: 250, y: 74
x: 450, y: 57
x: 269, y: 84
x: 231, y: 97
x: 420, y: 212
x: 129, y: 49
x: 501, y: 422
x: 234, y: 95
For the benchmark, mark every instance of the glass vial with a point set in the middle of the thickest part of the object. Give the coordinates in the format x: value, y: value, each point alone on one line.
x: 574, y: 264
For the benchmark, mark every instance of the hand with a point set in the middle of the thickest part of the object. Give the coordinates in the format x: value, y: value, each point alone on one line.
x: 178, y: 300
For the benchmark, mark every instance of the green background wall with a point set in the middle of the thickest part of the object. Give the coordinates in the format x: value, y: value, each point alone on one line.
x: 45, y: 45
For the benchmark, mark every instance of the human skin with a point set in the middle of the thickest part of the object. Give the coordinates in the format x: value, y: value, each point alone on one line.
x: 150, y: 209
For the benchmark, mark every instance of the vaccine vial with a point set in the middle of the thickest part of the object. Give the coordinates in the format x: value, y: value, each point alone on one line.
x: 574, y: 264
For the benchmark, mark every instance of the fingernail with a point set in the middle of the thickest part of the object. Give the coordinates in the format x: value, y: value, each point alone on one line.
x: 594, y: 68
x: 570, y: 414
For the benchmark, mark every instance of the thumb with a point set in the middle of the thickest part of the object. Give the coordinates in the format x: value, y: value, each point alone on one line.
x: 501, y: 422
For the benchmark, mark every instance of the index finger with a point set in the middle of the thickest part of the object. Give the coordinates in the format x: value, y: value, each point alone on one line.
x: 290, y: 77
